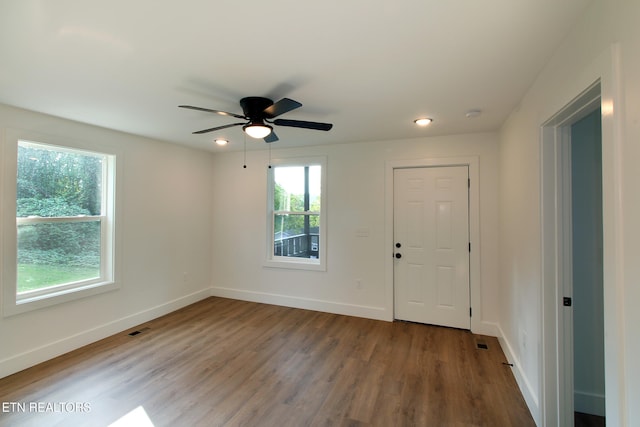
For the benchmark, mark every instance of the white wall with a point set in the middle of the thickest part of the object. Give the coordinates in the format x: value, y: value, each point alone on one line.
x: 582, y: 58
x: 356, y: 200
x: 165, y: 229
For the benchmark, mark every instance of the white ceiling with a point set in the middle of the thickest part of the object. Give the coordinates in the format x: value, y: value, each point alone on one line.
x: 368, y: 67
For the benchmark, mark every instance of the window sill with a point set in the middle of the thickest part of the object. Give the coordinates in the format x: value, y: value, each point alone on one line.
x: 25, y: 305
x: 295, y: 264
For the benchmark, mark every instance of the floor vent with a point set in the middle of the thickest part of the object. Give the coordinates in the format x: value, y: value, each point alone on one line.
x: 482, y: 346
x: 134, y: 333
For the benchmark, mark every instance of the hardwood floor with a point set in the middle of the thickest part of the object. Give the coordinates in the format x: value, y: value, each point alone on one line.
x: 222, y: 362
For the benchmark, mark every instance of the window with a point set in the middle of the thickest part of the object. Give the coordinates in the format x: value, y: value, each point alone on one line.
x: 296, y: 216
x: 64, y: 224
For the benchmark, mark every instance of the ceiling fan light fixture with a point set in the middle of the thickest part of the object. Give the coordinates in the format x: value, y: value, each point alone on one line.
x: 424, y: 121
x: 257, y: 130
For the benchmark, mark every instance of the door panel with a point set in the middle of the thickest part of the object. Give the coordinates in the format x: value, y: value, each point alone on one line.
x: 431, y: 224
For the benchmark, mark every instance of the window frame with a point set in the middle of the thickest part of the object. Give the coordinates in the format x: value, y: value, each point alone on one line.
x: 14, y: 303
x: 278, y: 261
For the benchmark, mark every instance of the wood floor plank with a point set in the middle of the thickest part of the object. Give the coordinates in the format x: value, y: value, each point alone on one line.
x: 222, y: 362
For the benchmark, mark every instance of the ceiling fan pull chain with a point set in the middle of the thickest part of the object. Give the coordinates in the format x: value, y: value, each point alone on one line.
x: 245, y: 152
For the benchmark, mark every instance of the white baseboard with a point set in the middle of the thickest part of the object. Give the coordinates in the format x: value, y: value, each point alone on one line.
x: 377, y: 313
x: 40, y: 354
x: 491, y: 329
x: 589, y: 403
x: 527, y: 391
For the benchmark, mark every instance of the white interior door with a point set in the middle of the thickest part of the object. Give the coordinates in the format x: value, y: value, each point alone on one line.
x: 431, y: 238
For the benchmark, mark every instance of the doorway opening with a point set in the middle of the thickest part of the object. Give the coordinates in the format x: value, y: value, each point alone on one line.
x: 587, y: 264
x: 572, y: 206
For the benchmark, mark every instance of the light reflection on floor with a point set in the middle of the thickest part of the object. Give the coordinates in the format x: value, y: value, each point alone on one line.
x: 136, y: 418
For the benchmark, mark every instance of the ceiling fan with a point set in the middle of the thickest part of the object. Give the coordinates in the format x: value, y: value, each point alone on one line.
x: 258, y: 112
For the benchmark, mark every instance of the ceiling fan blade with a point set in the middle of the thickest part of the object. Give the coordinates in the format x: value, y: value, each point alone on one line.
x: 303, y: 124
x: 218, y: 128
x: 272, y: 137
x: 207, y: 110
x: 283, y: 106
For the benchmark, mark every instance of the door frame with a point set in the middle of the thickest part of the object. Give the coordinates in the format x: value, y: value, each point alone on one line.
x: 554, y: 393
x: 559, y: 244
x: 475, y: 286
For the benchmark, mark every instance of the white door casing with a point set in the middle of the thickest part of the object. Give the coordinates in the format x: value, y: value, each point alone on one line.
x: 431, y: 225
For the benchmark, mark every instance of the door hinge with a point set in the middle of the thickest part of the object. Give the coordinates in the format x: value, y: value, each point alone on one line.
x: 468, y: 182
x: 469, y: 246
x: 470, y: 312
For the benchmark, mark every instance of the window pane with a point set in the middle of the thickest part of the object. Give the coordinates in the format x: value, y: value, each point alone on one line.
x: 296, y: 235
x: 314, y: 187
x: 57, y: 253
x: 289, y: 188
x: 58, y: 182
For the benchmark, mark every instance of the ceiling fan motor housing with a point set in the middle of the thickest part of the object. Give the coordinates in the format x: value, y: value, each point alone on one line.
x: 254, y: 106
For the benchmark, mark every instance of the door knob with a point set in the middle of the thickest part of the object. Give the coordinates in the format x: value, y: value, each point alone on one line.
x: 398, y: 255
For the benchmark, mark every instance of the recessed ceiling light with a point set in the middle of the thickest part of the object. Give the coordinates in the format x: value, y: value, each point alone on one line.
x: 221, y: 141
x: 423, y: 121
